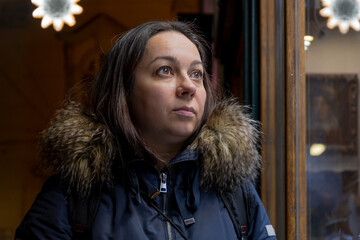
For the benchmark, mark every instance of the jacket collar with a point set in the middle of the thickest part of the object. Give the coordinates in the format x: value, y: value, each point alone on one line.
x: 80, y: 149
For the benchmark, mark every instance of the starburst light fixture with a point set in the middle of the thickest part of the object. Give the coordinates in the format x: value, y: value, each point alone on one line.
x: 342, y: 13
x: 56, y: 12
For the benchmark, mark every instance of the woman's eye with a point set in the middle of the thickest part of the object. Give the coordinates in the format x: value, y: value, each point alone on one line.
x: 164, y: 70
x: 196, y: 75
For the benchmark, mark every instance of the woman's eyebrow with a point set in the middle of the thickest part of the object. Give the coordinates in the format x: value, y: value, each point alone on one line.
x: 196, y: 62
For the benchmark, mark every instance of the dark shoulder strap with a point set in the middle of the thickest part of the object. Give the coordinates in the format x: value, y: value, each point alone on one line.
x: 82, y: 213
x: 237, y: 207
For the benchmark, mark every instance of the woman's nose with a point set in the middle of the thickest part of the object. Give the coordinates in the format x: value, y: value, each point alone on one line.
x: 186, y: 87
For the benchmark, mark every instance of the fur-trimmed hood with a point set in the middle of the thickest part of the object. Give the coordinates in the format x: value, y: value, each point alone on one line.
x: 80, y: 150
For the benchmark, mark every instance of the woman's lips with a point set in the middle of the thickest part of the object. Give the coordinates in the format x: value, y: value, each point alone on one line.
x: 185, y: 111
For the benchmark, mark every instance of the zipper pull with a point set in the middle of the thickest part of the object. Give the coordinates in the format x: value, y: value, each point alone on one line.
x: 163, y: 188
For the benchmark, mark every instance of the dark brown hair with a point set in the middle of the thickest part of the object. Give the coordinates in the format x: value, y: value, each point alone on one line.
x: 108, y: 94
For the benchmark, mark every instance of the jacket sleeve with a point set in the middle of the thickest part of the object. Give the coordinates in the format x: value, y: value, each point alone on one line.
x: 260, y: 226
x: 48, y: 216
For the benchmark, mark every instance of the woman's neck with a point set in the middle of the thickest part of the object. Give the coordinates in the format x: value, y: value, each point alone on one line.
x: 163, y: 153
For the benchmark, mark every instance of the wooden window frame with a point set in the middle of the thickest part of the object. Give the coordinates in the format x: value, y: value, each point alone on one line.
x: 283, y: 186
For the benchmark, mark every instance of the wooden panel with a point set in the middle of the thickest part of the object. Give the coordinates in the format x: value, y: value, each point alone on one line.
x: 268, y: 108
x: 295, y: 121
x: 292, y: 190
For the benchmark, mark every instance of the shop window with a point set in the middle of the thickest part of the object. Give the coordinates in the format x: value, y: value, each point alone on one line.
x: 332, y: 78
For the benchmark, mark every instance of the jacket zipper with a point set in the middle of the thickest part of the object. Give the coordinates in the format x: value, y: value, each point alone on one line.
x: 163, y: 189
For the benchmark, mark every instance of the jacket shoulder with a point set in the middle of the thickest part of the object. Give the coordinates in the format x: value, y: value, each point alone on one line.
x: 259, y: 223
x: 47, y: 217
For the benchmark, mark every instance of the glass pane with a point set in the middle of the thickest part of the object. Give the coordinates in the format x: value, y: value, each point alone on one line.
x: 333, y: 162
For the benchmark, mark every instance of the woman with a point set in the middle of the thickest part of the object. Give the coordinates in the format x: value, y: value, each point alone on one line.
x: 153, y: 143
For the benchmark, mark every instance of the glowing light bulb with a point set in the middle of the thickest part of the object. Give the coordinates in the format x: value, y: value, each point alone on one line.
x: 317, y: 149
x: 307, y: 41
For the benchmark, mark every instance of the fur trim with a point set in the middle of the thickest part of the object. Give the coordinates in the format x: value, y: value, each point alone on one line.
x: 77, y: 148
x: 228, y: 143
x: 81, y: 150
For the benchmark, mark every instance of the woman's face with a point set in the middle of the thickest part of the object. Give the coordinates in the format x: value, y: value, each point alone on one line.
x: 168, y: 97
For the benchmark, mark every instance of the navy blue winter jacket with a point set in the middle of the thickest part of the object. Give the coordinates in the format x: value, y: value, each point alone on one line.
x: 187, y: 191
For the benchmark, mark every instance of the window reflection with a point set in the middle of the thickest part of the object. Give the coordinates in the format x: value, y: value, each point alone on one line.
x: 333, y: 162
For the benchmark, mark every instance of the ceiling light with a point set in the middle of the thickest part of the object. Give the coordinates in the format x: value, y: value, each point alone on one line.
x: 56, y: 12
